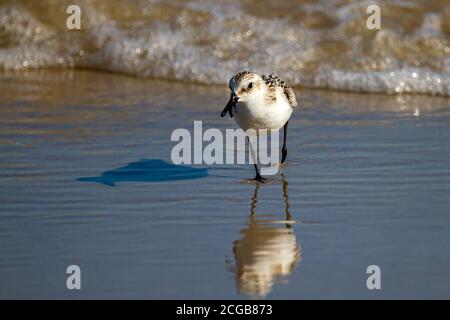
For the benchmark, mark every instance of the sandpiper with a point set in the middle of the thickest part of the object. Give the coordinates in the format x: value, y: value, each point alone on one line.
x: 261, y: 102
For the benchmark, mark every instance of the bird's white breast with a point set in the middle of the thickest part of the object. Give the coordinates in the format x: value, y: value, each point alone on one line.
x: 258, y: 114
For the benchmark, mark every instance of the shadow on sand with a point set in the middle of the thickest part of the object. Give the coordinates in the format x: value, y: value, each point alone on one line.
x: 148, y: 170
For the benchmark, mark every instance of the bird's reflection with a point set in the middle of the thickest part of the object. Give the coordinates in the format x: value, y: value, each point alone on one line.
x: 267, y: 251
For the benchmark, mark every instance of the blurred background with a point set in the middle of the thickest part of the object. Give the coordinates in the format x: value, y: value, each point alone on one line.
x: 319, y: 44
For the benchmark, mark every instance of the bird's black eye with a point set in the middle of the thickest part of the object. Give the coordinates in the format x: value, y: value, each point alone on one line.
x: 250, y: 85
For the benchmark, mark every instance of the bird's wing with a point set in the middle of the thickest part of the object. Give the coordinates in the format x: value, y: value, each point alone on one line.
x: 273, y: 80
x: 290, y: 95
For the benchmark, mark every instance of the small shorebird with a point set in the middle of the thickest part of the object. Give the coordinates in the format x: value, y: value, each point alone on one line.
x: 261, y: 102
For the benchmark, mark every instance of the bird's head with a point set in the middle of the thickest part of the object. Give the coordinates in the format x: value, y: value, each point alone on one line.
x: 244, y: 87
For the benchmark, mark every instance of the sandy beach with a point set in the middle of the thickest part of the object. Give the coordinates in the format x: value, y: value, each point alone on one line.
x: 367, y: 182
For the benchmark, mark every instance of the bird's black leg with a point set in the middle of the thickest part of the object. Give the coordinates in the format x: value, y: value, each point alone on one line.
x: 284, y: 149
x: 258, y: 176
x: 286, y: 200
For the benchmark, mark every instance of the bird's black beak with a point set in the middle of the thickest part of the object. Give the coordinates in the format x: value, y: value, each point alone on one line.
x: 229, y: 107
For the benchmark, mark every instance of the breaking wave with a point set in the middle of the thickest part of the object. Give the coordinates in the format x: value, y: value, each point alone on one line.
x: 323, y: 44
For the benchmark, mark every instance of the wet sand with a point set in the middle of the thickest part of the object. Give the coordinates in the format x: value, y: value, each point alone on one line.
x: 367, y: 182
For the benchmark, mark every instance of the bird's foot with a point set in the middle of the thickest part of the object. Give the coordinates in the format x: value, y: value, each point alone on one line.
x: 259, y: 179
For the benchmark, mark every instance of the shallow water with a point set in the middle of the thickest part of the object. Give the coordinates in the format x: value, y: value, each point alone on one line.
x: 367, y: 182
